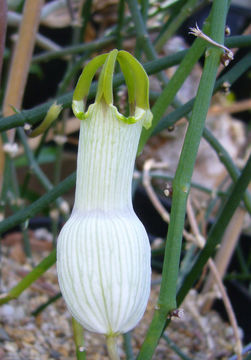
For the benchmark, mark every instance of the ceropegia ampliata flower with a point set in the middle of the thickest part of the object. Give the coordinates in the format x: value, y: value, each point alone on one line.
x: 103, y: 252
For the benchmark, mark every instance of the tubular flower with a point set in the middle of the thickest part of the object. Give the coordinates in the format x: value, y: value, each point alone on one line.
x: 103, y: 252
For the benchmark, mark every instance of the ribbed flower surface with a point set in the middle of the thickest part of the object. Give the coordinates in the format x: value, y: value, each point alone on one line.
x: 103, y: 255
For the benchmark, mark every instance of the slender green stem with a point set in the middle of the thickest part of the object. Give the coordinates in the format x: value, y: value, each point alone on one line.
x: 26, y: 241
x: 71, y: 72
x: 34, y: 165
x: 128, y: 346
x: 181, y: 184
x: 37, y: 151
x: 32, y: 162
x: 51, y: 300
x: 85, y: 14
x: 182, y: 180
x: 10, y: 191
x: 241, y: 277
x: 74, y: 49
x: 120, y: 23
x: 39, y: 112
x: 58, y: 163
x: 160, y: 175
x: 231, y: 76
x: 142, y: 35
x: 238, y: 41
x: 172, y: 87
x: 144, y: 10
x: 175, y: 348
x: 184, y: 12
x: 77, y: 36
x: 78, y: 334
x: 144, y: 13
x: 7, y: 185
x: 225, y: 158
x: 186, y: 263
x: 38, y: 205
x: 43, y: 266
x: 57, y: 175
x: 241, y: 260
x: 143, y: 39
x: 217, y: 230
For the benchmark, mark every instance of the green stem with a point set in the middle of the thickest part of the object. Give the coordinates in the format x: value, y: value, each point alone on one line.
x: 120, y: 23
x: 182, y: 180
x: 143, y: 39
x: 225, y: 158
x: 144, y: 10
x: 32, y: 162
x: 34, y: 165
x: 37, y: 113
x: 78, y: 334
x: 217, y: 230
x: 40, y: 269
x: 142, y: 35
x: 231, y: 76
x: 26, y: 241
x: 71, y: 72
x: 238, y: 41
x: 10, y: 191
x: 241, y: 260
x: 175, y: 348
x: 85, y: 14
x: 74, y: 49
x: 38, y: 205
x: 181, y: 184
x: 51, y: 300
x: 128, y: 346
x: 184, y: 12
x: 240, y: 277
x: 160, y: 175
x: 168, y: 94
x: 144, y: 5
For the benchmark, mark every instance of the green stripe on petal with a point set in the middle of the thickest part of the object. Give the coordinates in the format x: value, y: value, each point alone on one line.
x: 105, y: 87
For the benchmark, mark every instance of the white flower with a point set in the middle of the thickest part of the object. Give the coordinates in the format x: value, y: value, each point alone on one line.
x: 103, y: 251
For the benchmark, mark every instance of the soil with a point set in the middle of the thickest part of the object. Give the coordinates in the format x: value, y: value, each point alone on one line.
x: 49, y: 335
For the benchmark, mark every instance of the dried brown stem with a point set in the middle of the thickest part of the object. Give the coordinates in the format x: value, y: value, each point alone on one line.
x: 239, y: 106
x: 215, y: 273
x: 148, y: 165
x: 226, y: 250
x: 21, y: 59
x: 3, y: 24
x: 20, y: 65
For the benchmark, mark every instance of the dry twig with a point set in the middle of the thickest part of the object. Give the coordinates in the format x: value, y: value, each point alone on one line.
x: 201, y: 242
x: 225, y: 251
x: 148, y: 165
x: 20, y: 63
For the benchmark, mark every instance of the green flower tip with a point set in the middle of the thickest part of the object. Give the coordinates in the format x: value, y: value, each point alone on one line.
x: 136, y: 80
